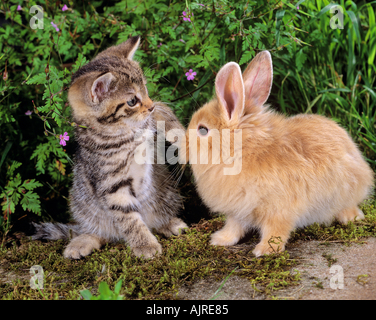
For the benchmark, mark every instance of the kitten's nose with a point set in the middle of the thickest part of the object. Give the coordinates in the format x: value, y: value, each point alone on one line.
x: 151, y: 108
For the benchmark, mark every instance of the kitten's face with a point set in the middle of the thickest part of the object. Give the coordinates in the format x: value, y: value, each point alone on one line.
x: 110, y: 91
x: 121, y: 100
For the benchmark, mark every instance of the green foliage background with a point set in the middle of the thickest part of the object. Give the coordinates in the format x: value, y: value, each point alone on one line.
x: 316, y: 69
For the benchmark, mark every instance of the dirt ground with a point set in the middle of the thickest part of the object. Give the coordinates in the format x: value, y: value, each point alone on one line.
x: 357, y: 263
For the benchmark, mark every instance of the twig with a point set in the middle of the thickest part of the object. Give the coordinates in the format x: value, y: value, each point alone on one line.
x: 296, y: 290
x: 190, y: 93
x: 176, y: 84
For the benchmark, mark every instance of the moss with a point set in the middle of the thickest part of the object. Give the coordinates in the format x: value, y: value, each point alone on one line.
x: 329, y: 258
x: 353, y: 232
x: 185, y: 259
x: 318, y: 284
x: 362, y: 279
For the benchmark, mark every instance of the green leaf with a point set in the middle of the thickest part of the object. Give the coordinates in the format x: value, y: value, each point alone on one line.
x: 113, y: 31
x: 30, y: 201
x: 279, y: 16
x: 355, y: 25
x: 118, y: 287
x: 194, y: 59
x: 202, y: 81
x: 247, y: 57
x: 80, y: 62
x: 222, y: 54
x: 6, y: 150
x: 31, y: 184
x: 300, y: 59
x: 40, y: 78
x: 104, y: 290
x: 336, y: 90
x: 12, y: 168
x: 86, y: 294
x: 97, y: 35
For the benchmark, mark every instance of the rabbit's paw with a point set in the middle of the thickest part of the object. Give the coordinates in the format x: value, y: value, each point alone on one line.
x: 351, y: 214
x: 223, y: 238
x: 267, y: 248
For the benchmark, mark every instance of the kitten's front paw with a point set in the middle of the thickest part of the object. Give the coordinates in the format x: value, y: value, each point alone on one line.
x: 81, y: 246
x: 222, y: 238
x: 175, y: 227
x: 148, y: 251
x: 178, y: 226
x: 72, y: 252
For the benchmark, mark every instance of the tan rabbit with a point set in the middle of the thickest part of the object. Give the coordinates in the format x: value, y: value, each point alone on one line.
x: 291, y: 171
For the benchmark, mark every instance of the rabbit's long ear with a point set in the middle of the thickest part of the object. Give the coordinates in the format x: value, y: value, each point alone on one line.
x: 230, y: 90
x: 258, y: 79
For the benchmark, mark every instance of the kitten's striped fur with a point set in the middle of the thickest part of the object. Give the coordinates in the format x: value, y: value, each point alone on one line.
x: 113, y: 197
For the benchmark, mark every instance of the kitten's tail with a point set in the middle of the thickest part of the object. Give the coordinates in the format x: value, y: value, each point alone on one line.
x: 55, y: 231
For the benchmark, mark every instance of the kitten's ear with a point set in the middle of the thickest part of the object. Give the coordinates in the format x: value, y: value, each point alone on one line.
x: 101, y: 87
x: 129, y: 47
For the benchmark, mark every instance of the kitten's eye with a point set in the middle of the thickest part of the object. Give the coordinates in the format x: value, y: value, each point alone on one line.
x: 132, y: 102
x: 202, y: 130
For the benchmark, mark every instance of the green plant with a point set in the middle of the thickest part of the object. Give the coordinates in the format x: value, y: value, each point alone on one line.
x: 17, y: 192
x: 186, y: 259
x: 104, y: 292
x: 36, y: 67
x: 317, y: 69
x: 218, y: 293
x: 331, y: 71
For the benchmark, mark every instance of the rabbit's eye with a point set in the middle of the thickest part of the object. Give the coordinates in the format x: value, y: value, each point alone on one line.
x: 202, y: 130
x: 132, y: 102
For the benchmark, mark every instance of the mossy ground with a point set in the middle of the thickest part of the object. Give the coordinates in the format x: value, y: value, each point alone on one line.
x: 185, y: 259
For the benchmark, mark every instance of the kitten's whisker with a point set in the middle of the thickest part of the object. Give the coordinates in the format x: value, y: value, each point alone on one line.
x: 172, y: 176
x: 170, y: 103
x: 182, y: 169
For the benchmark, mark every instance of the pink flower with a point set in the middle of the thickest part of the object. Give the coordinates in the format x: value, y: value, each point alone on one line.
x: 64, y: 138
x: 64, y: 8
x: 298, y: 7
x: 200, y: 4
x: 55, y: 26
x: 185, y: 18
x: 28, y: 112
x: 160, y: 45
x: 190, y: 74
x: 181, y: 40
x: 19, y: 8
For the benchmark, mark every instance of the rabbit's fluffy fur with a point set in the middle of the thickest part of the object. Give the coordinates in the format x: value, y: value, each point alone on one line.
x: 295, y: 171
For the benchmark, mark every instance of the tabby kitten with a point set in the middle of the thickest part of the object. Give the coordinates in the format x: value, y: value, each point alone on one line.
x: 113, y: 197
